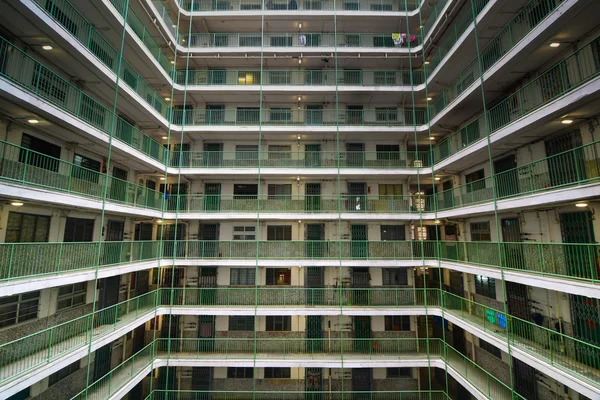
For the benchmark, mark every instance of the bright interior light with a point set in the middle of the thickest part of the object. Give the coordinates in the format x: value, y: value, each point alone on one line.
x: 300, y: 25
x: 299, y: 98
x: 426, y: 62
x: 437, y: 178
x: 172, y: 62
x: 165, y: 137
x: 159, y: 221
x: 554, y: 44
x: 429, y: 98
x: 47, y: 47
x: 437, y: 222
x: 298, y: 137
x: 300, y: 61
x: 162, y: 178
x: 431, y: 137
x: 581, y: 205
x: 16, y: 203
x: 167, y: 99
x: 33, y: 121
x: 567, y: 121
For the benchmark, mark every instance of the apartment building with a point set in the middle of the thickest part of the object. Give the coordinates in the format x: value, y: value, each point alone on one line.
x: 299, y: 199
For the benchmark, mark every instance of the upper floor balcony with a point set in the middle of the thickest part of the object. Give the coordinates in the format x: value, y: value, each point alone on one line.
x: 307, y: 6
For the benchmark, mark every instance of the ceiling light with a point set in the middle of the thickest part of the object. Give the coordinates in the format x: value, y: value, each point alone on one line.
x: 299, y: 220
x: 47, y: 47
x: 298, y: 137
x: 165, y: 137
x: 300, y: 61
x: 437, y: 222
x: 173, y: 62
x: 174, y: 26
x: 162, y: 178
x: 300, y: 25
x: 33, y: 121
x: 431, y: 137
x: 426, y: 62
x: 159, y: 221
x: 554, y: 44
x: 299, y: 98
x: 581, y: 205
x: 429, y: 98
x: 16, y: 203
x: 167, y: 99
x: 437, y: 178
x: 298, y: 178
x: 567, y: 121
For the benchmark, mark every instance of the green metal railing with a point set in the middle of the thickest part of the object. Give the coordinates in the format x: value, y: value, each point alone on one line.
x: 304, y: 40
x: 520, y: 26
x: 22, y: 166
x: 299, y: 5
x: 65, y: 14
x: 299, y: 159
x: 25, y: 354
x: 550, y: 344
x: 299, y: 78
x: 579, y: 166
x: 22, y: 70
x: 296, y: 395
x: 403, y: 297
x: 562, y: 260
x: 291, y: 204
x: 558, y: 80
x: 288, y: 116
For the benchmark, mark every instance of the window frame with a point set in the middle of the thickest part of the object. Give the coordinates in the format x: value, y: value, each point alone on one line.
x: 278, y: 323
x: 77, y: 290
x: 386, y: 274
x: 242, y: 275
x: 485, y: 286
x: 20, y: 302
x: 402, y: 321
x: 241, y: 323
x: 277, y: 373
x: 240, y: 373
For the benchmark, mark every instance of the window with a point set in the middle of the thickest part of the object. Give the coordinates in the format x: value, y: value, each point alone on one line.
x: 279, y: 323
x: 280, y: 115
x: 63, y: 373
x: 475, y: 181
x: 280, y: 191
x: 280, y: 152
x: 246, y: 152
x: 386, y: 114
x: 485, y: 286
x: 244, y: 233
x: 25, y: 228
x: 279, y: 276
x: 44, y: 154
x: 248, y: 115
x: 392, y: 232
x: 277, y: 373
x: 395, y: 276
x: 493, y: 350
x: 480, y: 232
x: 71, y: 295
x: 399, y: 372
x: 86, y: 168
x: 241, y: 323
x: 241, y: 276
x: 240, y: 372
x: 79, y: 230
x: 390, y: 191
x: 245, y: 191
x: 388, y: 151
x: 18, y: 308
x: 279, y: 232
x: 397, y: 323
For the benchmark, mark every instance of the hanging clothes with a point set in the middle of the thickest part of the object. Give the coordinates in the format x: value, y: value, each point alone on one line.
x: 302, y: 40
x: 397, y: 39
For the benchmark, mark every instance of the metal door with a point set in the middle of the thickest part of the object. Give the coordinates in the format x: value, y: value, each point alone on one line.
x: 207, y: 280
x: 314, y: 334
x: 360, y: 249
x: 213, y: 154
x: 118, y: 185
x: 460, y: 343
x: 585, y: 312
x: 315, y: 245
x: 513, y: 250
x: 525, y: 379
x: 180, y: 155
x: 315, y: 281
x: 212, y: 197
x: 362, y: 332
x: 314, y: 115
x: 313, y: 197
x: 173, y: 237
x: 565, y: 166
x: 360, y: 279
x: 362, y: 381
x: 202, y: 379
x: 312, y: 157
x: 206, y: 333
x: 446, y: 197
x: 143, y: 232
x: 507, y: 176
x: 357, y: 196
x: 313, y: 384
x: 112, y: 249
x: 355, y: 154
x: 209, y: 240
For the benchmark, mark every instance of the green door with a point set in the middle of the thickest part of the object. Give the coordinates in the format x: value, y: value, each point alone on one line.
x: 314, y: 334
x: 312, y: 156
x: 565, y: 165
x: 314, y: 282
x: 315, y: 245
x: 577, y: 227
x: 313, y: 197
x: 359, y: 242
x: 212, y: 197
x: 213, y: 154
x: 207, y: 281
x: 507, y: 176
x: 313, y: 383
x: 118, y: 185
x: 360, y: 280
x: 362, y: 334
